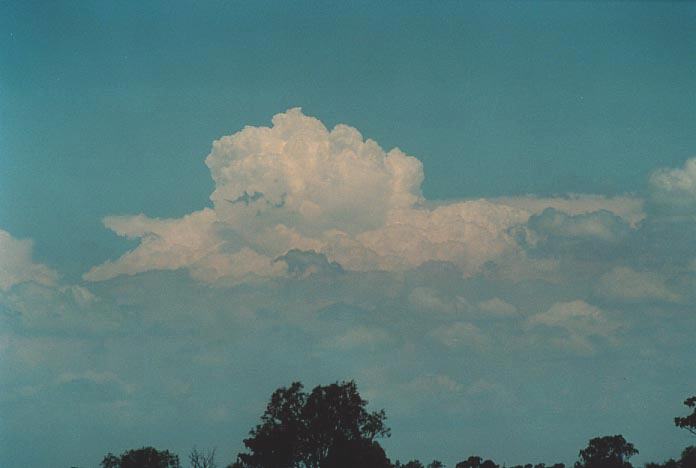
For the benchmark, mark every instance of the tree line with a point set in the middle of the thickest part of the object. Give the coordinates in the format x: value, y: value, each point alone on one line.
x: 330, y: 427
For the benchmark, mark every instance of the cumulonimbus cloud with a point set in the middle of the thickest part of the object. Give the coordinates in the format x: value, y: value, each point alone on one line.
x: 298, y: 185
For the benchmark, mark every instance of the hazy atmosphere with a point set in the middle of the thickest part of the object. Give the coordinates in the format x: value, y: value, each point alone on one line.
x: 483, y: 213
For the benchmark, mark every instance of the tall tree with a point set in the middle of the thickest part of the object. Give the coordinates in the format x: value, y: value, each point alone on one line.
x: 327, y: 428
x: 607, y: 452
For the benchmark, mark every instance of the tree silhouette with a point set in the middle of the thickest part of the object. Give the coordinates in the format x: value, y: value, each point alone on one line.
x: 198, y: 459
x: 688, y: 422
x: 539, y: 465
x: 687, y: 460
x: 476, y: 462
x: 409, y: 464
x: 146, y: 457
x: 606, y: 452
x: 328, y: 428
x: 671, y: 463
x: 688, y: 457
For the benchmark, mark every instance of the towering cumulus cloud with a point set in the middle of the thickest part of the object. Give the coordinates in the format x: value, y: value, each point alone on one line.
x: 299, y: 174
x: 298, y: 185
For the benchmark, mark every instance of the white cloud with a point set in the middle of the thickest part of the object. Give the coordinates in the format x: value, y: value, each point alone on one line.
x: 301, y: 175
x: 599, y: 225
x: 461, y: 334
x: 581, y: 322
x: 298, y: 185
x: 16, y: 265
x: 359, y: 337
x: 434, y: 385
x: 430, y: 300
x: 245, y: 264
x: 625, y: 284
x: 82, y: 296
x: 674, y: 190
x: 467, y: 234
x: 65, y: 308
x: 87, y: 387
x: 32, y: 295
x: 497, y: 307
x: 574, y: 315
x: 165, y: 244
x: 190, y: 242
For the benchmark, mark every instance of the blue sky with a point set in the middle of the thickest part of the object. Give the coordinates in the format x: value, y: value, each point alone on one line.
x: 521, y: 269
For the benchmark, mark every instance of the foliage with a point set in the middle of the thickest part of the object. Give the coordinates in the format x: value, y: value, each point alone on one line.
x: 476, y: 462
x: 146, y: 457
x: 688, y: 422
x: 671, y: 463
x: 687, y: 460
x: 540, y: 465
x: 410, y: 464
x: 688, y: 457
x: 606, y: 452
x: 328, y: 428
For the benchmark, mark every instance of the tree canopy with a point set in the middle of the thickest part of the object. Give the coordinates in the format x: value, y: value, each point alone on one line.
x: 607, y: 452
x: 476, y: 462
x: 687, y: 460
x: 328, y: 428
x: 688, y: 422
x: 145, y: 457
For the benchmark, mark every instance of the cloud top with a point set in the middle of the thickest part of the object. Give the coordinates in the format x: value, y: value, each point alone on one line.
x: 299, y: 174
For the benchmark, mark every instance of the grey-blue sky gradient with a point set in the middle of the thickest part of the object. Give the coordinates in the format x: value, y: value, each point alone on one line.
x: 516, y: 278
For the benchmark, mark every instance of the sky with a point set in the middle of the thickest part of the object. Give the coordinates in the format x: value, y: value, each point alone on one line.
x: 484, y: 213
